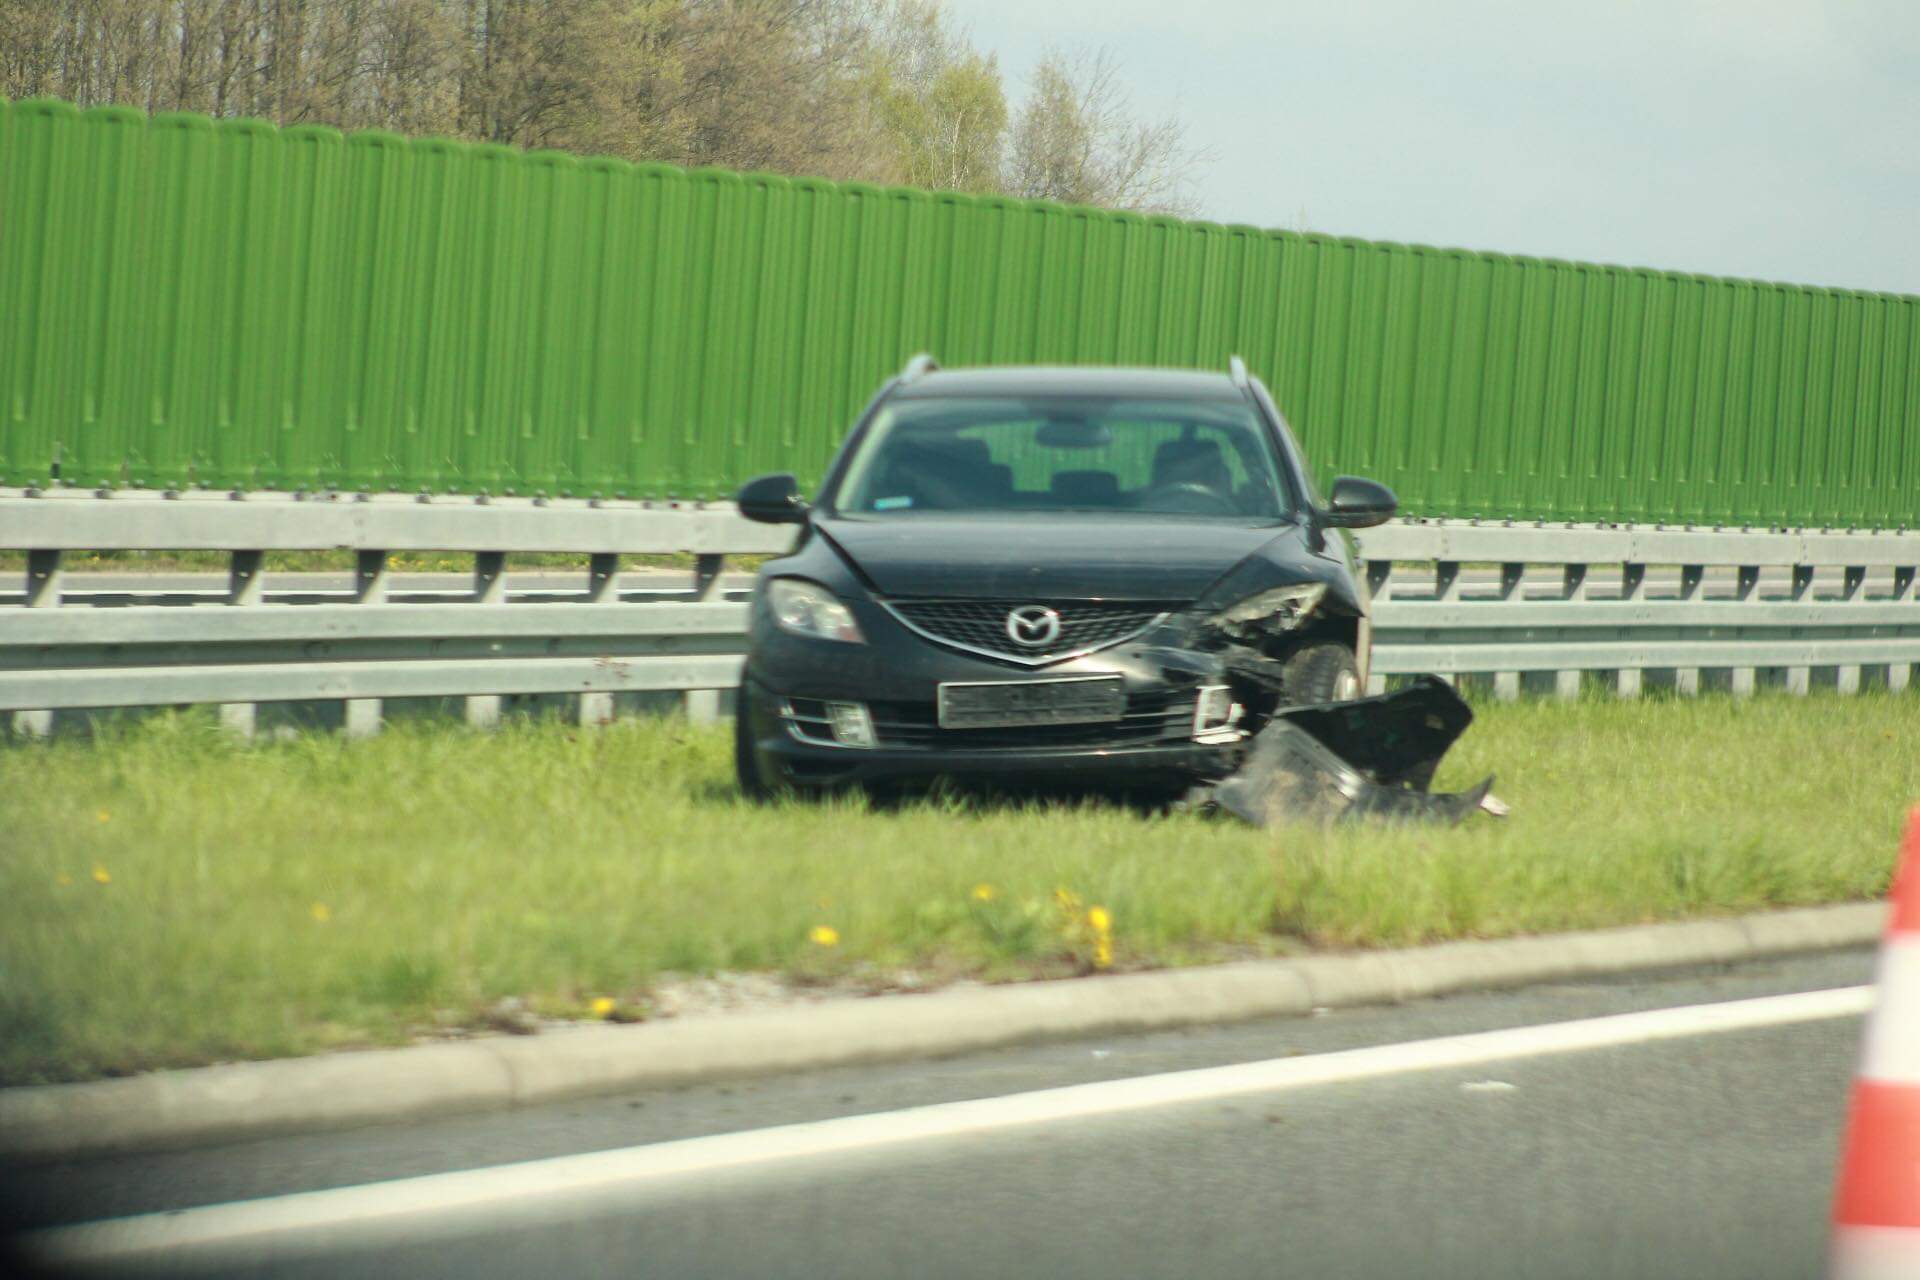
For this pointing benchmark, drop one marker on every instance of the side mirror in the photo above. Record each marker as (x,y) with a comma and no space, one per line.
(773,499)
(1359,504)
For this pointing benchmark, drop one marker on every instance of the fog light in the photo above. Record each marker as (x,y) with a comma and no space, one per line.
(852,726)
(1216,715)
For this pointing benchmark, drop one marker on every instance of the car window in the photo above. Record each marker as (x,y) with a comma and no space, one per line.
(1148,457)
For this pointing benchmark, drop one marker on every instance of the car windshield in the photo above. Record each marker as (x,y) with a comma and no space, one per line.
(1065,453)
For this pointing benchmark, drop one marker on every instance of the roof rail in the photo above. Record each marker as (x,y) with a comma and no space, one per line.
(920,364)
(1237,370)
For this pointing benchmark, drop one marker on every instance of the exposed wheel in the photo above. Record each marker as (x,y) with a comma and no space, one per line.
(746,765)
(1322,672)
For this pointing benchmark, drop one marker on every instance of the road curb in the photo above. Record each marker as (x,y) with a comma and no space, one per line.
(204,1106)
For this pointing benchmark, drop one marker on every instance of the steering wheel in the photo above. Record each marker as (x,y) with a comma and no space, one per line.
(1208,498)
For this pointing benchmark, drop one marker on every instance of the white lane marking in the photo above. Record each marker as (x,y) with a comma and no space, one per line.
(515,1188)
(1874,1253)
(1892,1052)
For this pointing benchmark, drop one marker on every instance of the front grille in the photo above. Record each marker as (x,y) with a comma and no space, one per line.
(981,625)
(1158,716)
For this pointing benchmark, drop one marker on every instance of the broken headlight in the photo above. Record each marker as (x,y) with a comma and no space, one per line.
(1281,609)
(809,609)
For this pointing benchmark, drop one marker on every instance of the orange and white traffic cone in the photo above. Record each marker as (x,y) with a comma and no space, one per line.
(1876,1210)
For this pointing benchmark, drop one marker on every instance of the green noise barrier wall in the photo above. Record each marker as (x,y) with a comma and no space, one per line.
(192,302)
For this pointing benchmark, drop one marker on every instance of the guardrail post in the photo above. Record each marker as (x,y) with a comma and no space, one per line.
(603,579)
(702,706)
(489,587)
(369,587)
(245,589)
(1379,579)
(1573,586)
(1900,673)
(603,587)
(1686,680)
(1800,679)
(43,579)
(1446,580)
(1627,682)
(1633,581)
(1746,584)
(1506,684)
(1846,677)
(43,592)
(1511,575)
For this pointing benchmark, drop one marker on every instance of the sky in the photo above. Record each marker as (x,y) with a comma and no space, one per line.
(1771,139)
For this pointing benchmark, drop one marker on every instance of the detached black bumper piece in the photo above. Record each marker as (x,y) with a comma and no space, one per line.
(1369,758)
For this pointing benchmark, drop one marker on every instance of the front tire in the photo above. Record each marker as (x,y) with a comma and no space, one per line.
(746,761)
(1325,671)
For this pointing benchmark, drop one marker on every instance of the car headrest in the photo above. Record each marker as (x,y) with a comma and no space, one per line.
(1192,462)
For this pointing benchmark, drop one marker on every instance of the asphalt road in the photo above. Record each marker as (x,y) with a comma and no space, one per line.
(1703,1155)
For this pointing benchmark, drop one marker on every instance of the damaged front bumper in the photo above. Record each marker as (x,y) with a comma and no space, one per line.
(1209,702)
(1368,758)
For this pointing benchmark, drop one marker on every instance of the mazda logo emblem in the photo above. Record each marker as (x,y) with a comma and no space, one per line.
(1033,626)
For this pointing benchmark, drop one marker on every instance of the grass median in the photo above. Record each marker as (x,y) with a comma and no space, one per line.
(169,897)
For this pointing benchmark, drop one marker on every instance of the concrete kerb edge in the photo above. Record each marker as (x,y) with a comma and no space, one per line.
(210,1105)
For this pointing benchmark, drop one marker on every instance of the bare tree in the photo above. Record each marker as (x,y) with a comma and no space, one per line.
(877,90)
(1076,139)
(938,99)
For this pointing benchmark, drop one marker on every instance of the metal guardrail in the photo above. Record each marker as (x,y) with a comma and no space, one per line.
(1516,605)
(1553,603)
(369,643)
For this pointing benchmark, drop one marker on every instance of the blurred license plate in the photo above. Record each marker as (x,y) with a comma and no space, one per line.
(1092,700)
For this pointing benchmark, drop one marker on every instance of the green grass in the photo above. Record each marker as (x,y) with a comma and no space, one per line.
(457,868)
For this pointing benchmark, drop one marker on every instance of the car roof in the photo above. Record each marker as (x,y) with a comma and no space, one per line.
(1072,380)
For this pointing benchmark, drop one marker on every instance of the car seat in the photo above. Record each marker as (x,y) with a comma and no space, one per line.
(1192,462)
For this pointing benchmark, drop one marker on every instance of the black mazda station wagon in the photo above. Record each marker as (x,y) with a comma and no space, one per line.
(1089,576)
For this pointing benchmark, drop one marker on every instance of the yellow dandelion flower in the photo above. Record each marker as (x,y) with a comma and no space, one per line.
(1100,919)
(102,816)
(824,935)
(1103,953)
(321,913)
(602,1006)
(100,875)
(984,893)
